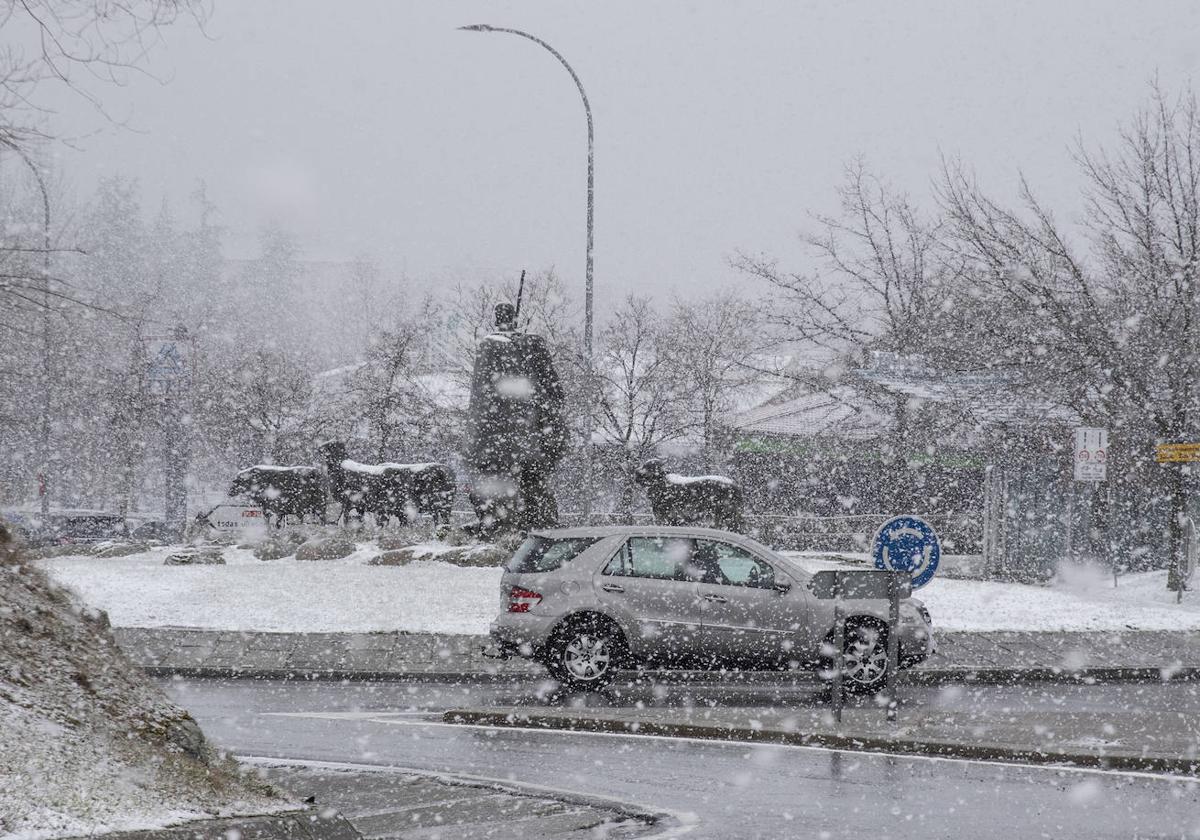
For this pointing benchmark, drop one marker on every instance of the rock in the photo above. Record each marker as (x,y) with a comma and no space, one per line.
(395,557)
(476,555)
(392,542)
(97,617)
(471,555)
(119,549)
(274,550)
(329,548)
(195,557)
(185,734)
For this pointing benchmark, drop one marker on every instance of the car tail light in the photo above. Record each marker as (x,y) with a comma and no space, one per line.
(522,600)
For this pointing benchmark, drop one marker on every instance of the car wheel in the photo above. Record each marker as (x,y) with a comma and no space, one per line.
(864,659)
(585,655)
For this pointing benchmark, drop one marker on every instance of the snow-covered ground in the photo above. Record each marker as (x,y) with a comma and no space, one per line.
(430,596)
(426,596)
(1082,598)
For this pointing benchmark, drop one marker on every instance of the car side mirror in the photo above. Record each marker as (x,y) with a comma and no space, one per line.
(781,586)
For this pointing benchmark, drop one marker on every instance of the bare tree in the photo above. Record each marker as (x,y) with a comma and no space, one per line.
(76,45)
(880,284)
(1117,334)
(715,344)
(883,284)
(640,401)
(260,408)
(392,395)
(547,309)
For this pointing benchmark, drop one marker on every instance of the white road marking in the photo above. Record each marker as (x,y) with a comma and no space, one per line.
(350,715)
(686,821)
(384,718)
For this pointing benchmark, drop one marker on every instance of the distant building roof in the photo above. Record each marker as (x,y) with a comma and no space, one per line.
(851,410)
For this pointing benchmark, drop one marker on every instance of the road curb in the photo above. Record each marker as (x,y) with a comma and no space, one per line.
(831,740)
(309,824)
(200,672)
(949,676)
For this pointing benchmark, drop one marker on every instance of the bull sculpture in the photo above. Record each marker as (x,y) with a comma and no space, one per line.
(689,500)
(388,490)
(282,491)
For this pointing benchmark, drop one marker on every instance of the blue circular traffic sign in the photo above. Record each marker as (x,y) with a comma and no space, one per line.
(907,544)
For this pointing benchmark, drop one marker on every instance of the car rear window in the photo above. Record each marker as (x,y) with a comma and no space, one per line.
(543,554)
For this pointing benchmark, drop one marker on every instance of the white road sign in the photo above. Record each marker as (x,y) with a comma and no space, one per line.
(1091,454)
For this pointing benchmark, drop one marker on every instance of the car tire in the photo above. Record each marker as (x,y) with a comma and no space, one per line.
(584,655)
(865,658)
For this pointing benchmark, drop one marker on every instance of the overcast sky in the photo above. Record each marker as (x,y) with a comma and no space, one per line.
(376,128)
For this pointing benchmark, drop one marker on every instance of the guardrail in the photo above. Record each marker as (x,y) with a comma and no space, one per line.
(845,532)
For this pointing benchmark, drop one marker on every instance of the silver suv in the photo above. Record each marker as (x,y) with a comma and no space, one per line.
(587,601)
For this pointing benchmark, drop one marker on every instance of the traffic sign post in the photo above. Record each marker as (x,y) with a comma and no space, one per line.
(1089,458)
(1187,566)
(839,585)
(166,372)
(906,544)
(1091,454)
(1177,453)
(1182,540)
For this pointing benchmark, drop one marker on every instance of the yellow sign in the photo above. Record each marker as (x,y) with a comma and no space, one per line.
(1174,453)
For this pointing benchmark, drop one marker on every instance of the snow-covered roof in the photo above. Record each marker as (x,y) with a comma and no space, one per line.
(988,396)
(838,412)
(338,373)
(849,410)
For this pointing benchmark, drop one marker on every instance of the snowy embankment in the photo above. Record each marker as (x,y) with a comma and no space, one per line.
(87,744)
(430,596)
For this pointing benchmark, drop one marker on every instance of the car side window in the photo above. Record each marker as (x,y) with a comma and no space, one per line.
(619,564)
(732,565)
(651,557)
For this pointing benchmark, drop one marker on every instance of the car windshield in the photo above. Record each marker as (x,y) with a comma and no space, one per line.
(544,554)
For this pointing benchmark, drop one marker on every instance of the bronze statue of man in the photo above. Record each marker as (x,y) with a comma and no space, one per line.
(516,429)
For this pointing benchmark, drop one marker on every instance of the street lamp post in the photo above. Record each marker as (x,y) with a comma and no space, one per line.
(47,371)
(587,300)
(587,108)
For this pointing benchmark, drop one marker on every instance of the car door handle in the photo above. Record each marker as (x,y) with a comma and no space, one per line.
(613,587)
(716,599)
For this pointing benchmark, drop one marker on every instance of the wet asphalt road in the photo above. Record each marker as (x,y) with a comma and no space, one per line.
(719,790)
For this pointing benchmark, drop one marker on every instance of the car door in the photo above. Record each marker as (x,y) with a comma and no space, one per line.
(748,615)
(645,583)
